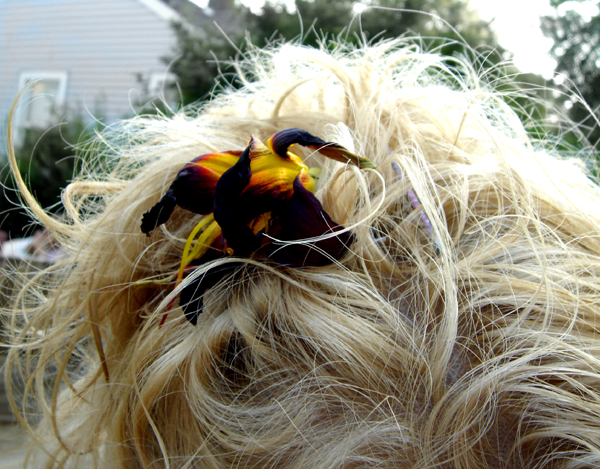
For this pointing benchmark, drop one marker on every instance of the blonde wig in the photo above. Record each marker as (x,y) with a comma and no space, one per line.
(459,330)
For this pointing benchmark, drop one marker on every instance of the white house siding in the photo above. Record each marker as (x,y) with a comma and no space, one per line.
(100,44)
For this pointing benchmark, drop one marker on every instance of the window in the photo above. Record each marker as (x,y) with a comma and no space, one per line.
(43,97)
(160,85)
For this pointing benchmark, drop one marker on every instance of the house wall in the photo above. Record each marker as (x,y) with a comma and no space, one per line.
(100,44)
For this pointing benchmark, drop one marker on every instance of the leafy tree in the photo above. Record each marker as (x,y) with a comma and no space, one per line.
(577,51)
(461,33)
(194,59)
(384,19)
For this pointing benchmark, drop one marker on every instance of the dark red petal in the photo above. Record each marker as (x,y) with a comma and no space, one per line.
(158,214)
(192,295)
(195,185)
(193,188)
(231,211)
(280,142)
(303,217)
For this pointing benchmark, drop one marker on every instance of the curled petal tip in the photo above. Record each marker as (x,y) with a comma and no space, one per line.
(283,139)
(158,214)
(341,154)
(366,164)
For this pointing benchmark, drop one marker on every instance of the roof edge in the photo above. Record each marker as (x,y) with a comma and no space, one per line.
(161,9)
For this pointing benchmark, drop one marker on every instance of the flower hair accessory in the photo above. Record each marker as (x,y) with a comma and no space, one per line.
(245,196)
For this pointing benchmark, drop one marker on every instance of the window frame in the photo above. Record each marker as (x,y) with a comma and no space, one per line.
(27,97)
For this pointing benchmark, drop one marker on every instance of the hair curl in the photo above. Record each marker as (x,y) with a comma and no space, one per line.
(475,345)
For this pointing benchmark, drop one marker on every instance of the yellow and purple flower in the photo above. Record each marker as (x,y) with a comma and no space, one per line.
(263,190)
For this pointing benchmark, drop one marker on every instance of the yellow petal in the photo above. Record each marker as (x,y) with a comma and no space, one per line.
(205,240)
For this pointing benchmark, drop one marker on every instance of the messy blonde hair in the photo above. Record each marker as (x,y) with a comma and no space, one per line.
(470,344)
